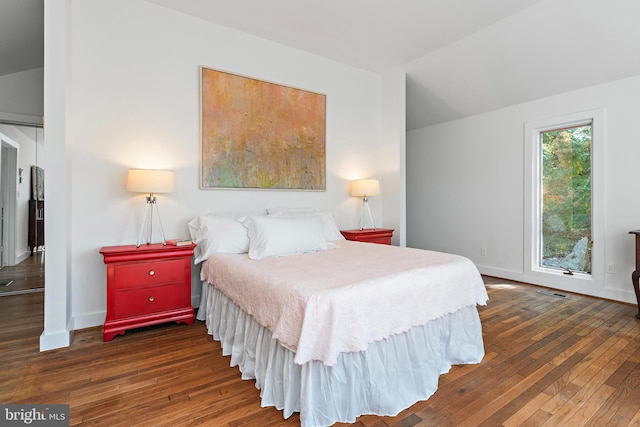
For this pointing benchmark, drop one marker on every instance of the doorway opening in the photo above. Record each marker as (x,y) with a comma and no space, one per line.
(21,270)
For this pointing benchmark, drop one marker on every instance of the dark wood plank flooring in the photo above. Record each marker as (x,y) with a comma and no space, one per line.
(549,361)
(28,276)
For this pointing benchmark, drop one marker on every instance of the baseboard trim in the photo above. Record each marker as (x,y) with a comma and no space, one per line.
(89,320)
(624,296)
(23,256)
(53,340)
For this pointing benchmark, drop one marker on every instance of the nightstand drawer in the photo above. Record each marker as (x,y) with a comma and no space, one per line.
(379,240)
(153,273)
(149,300)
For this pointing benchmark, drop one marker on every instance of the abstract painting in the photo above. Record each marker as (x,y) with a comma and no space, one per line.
(37,183)
(260,135)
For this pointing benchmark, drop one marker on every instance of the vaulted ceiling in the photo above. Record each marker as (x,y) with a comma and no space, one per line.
(462,57)
(21,35)
(369,34)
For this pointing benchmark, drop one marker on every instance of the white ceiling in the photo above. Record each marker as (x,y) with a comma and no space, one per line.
(369,34)
(21,35)
(462,57)
(554,47)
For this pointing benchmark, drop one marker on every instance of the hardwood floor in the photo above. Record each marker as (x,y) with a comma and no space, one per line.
(549,361)
(28,276)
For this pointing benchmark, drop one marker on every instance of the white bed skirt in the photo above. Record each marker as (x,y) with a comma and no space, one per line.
(389,376)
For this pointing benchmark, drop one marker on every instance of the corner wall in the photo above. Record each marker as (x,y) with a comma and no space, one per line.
(58,323)
(392,162)
(465,184)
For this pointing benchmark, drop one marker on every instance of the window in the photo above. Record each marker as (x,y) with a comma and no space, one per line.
(563,198)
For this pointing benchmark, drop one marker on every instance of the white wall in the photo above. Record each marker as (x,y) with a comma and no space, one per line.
(58,322)
(465,184)
(21,96)
(133,101)
(393,185)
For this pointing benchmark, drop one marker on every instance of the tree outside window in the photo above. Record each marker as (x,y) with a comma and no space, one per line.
(566,199)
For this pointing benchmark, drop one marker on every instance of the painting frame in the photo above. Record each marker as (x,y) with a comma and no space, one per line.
(260,135)
(37,183)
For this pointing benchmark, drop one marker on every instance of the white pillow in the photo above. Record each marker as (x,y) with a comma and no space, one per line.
(271,236)
(330,228)
(217,234)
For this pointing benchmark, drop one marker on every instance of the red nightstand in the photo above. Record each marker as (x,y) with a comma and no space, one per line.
(147,285)
(370,235)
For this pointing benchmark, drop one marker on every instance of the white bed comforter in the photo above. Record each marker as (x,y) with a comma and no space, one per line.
(325,303)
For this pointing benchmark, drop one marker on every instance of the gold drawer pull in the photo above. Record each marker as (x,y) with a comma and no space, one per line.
(151,272)
(151,298)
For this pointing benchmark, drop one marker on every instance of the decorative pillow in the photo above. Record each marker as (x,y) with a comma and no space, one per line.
(217,234)
(330,228)
(271,236)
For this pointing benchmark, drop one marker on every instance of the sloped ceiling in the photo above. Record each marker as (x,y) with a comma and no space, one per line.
(21,35)
(553,47)
(462,57)
(369,34)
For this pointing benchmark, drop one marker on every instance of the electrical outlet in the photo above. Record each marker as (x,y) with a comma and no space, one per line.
(611,268)
(483,251)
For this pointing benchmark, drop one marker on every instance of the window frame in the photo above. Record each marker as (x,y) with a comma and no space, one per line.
(533,202)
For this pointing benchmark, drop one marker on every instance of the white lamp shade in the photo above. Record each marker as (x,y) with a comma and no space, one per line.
(151,181)
(365,188)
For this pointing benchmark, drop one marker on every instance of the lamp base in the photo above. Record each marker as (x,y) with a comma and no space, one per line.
(147,219)
(365,207)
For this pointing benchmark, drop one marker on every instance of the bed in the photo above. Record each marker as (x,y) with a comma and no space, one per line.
(330,328)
